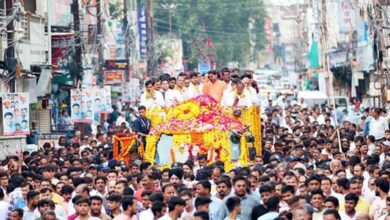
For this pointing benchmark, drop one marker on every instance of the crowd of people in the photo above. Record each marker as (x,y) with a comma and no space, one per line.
(310,166)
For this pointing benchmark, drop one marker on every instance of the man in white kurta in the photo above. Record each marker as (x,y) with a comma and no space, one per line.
(195,88)
(251,91)
(151,98)
(180,89)
(168,94)
(238,97)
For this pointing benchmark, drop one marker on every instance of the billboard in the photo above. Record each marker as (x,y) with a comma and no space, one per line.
(89,102)
(16,112)
(62,51)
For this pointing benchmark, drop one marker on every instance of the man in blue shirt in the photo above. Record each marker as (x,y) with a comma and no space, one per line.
(142,124)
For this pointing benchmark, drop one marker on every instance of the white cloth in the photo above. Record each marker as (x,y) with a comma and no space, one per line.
(193,92)
(157,101)
(165,217)
(253,95)
(181,94)
(229,97)
(378,127)
(120,120)
(146,215)
(3,209)
(171,98)
(346,217)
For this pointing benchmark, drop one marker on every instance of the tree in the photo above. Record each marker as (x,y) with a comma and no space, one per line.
(224,23)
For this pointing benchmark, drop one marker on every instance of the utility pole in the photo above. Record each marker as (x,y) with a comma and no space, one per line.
(151,63)
(76,26)
(170,8)
(127,40)
(100,42)
(10,61)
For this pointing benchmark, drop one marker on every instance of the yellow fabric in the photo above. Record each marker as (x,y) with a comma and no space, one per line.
(57,199)
(362,207)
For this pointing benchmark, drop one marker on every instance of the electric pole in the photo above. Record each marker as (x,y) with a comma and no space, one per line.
(170,8)
(100,42)
(151,63)
(10,60)
(78,65)
(127,40)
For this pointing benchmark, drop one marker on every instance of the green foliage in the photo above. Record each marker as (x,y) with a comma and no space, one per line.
(224,22)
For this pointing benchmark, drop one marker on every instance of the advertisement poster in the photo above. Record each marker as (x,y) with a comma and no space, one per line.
(114,71)
(62,51)
(16,113)
(89,102)
(131,91)
(113,76)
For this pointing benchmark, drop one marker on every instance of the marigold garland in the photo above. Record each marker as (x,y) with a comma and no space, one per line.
(203,123)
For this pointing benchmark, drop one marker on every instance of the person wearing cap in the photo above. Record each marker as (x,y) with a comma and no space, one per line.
(213,86)
(176,176)
(175,208)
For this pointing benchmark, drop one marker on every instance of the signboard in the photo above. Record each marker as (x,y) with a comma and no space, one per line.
(337,58)
(142,32)
(89,102)
(203,66)
(113,76)
(347,17)
(114,71)
(116,64)
(15,113)
(50,138)
(62,51)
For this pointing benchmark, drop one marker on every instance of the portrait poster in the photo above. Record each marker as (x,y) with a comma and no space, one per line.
(16,114)
(89,102)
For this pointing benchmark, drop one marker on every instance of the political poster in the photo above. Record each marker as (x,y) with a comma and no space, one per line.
(131,90)
(89,102)
(15,113)
(62,51)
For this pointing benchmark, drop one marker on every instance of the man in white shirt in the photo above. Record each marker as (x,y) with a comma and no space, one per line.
(180,89)
(378,124)
(170,97)
(238,97)
(151,98)
(195,88)
(250,90)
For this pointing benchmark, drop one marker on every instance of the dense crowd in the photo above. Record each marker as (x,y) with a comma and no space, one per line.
(315,164)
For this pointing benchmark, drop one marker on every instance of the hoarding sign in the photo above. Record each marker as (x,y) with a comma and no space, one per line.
(16,118)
